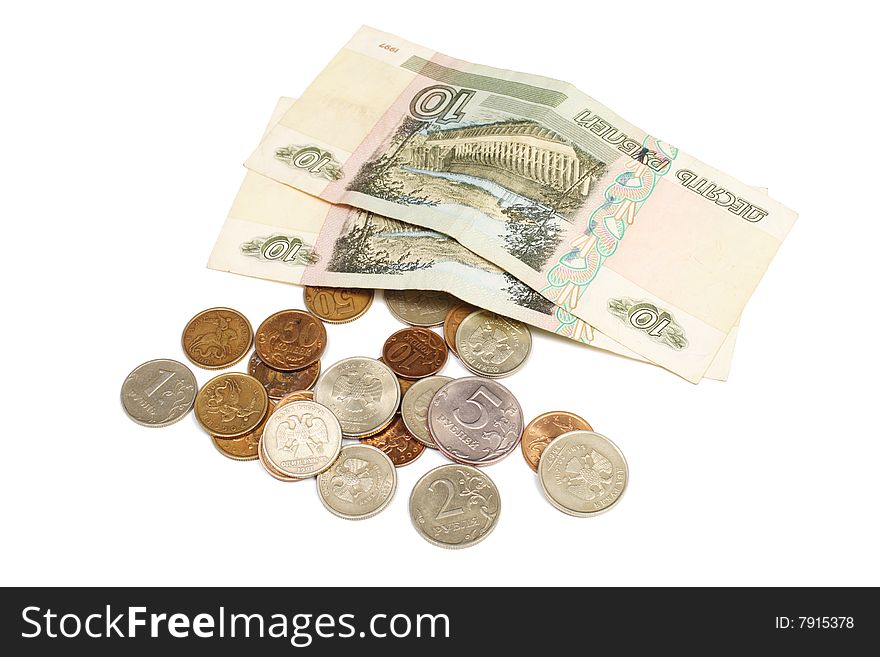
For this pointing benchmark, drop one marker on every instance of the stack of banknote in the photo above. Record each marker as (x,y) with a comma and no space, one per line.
(403,168)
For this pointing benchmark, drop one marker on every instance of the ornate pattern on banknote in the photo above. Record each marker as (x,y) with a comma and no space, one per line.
(657,324)
(576,269)
(313,159)
(287,249)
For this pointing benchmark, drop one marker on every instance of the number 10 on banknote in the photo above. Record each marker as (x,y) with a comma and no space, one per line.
(620,230)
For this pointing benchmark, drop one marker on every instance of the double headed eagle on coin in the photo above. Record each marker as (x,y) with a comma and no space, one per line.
(304,436)
(359,389)
(588,476)
(490,344)
(353,479)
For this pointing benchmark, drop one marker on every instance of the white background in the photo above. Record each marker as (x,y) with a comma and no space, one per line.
(123,133)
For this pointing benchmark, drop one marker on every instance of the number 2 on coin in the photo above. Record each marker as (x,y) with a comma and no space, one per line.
(483,416)
(445,511)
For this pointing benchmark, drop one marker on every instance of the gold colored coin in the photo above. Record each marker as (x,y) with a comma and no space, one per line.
(296,395)
(453,320)
(231,405)
(246,447)
(544,428)
(337,305)
(217,338)
(290,340)
(279,383)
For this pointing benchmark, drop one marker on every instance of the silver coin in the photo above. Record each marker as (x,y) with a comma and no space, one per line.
(414,408)
(159,392)
(475,421)
(302,439)
(492,345)
(359,484)
(454,506)
(583,473)
(419,307)
(271,469)
(362,393)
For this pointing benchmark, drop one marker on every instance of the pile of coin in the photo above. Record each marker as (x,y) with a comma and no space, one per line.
(295,419)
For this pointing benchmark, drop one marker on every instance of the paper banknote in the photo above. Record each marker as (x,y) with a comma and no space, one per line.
(655,249)
(276,232)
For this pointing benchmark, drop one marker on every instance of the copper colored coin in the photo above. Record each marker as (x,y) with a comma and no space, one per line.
(415,353)
(217,338)
(544,428)
(397,443)
(290,340)
(246,447)
(337,305)
(405,384)
(453,320)
(278,383)
(231,405)
(296,395)
(271,469)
